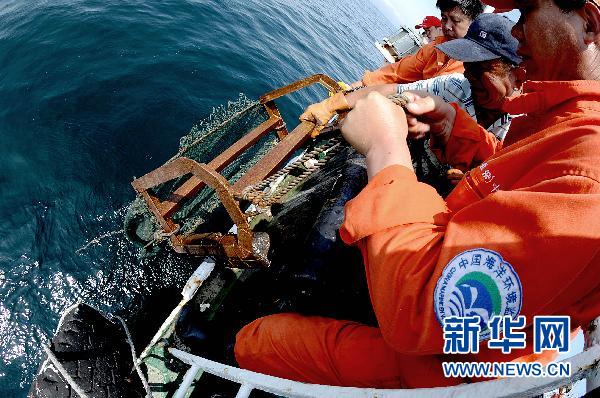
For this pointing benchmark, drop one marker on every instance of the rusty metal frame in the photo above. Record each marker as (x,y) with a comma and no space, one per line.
(240,248)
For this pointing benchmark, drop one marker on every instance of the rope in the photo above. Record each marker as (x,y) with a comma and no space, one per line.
(75,387)
(263,196)
(97,240)
(134,357)
(353,89)
(399,99)
(63,372)
(160,235)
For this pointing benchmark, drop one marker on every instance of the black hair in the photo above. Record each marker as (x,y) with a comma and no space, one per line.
(570,5)
(471,8)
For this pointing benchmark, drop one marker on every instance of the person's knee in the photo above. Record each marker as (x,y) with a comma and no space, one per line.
(244,346)
(258,340)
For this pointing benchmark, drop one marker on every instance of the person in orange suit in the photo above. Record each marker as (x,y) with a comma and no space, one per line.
(525,221)
(429,62)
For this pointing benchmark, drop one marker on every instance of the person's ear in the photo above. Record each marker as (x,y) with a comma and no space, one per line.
(591,15)
(520,75)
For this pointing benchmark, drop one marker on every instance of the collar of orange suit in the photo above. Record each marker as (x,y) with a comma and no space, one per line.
(541,96)
(511,4)
(501,4)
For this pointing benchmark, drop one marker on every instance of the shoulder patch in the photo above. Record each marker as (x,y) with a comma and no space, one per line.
(479,283)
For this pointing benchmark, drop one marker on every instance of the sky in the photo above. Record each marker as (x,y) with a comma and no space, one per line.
(411,12)
(406,12)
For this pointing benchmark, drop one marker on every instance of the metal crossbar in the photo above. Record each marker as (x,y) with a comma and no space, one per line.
(585,365)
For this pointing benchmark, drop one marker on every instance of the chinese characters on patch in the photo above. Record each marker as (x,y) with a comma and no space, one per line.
(463,334)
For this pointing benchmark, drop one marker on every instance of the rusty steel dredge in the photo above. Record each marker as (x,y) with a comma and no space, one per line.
(245,248)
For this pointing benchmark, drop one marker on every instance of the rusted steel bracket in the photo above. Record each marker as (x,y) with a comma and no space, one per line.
(194,185)
(245,248)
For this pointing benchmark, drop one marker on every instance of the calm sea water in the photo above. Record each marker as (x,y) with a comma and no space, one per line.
(93,93)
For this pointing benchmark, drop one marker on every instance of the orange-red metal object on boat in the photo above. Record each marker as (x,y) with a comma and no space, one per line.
(246,248)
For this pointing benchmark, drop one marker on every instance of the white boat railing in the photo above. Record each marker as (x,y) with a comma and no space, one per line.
(585,365)
(400,44)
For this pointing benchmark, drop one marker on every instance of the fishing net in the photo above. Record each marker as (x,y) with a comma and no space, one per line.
(206,140)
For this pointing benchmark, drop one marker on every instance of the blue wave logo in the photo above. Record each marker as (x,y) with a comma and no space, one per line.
(476,294)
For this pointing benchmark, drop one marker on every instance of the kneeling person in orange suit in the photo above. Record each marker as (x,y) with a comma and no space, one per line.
(525,220)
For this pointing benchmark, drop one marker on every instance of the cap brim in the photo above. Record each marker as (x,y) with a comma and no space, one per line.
(466,50)
(501,4)
(418,26)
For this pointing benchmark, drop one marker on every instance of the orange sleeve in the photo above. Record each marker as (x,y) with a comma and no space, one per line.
(409,69)
(469,144)
(409,240)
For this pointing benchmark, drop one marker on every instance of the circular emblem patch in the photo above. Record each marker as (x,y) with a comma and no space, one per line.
(479,283)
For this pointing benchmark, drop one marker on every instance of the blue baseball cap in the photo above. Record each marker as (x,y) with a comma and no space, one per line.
(488,38)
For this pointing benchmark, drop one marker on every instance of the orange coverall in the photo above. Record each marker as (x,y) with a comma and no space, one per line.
(532,208)
(428,62)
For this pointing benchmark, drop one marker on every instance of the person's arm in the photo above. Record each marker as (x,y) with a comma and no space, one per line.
(321,112)
(383,89)
(408,69)
(452,88)
(456,138)
(467,144)
(377,128)
(508,247)
(425,261)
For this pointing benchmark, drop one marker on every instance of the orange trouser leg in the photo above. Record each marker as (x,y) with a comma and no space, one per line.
(328,351)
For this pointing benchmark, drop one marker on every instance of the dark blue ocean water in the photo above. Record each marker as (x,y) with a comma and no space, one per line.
(93,93)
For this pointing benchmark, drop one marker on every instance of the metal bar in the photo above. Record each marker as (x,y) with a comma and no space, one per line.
(244,391)
(274,112)
(189,378)
(582,365)
(189,290)
(153,206)
(164,173)
(320,78)
(182,166)
(276,157)
(167,172)
(228,244)
(223,190)
(246,142)
(194,184)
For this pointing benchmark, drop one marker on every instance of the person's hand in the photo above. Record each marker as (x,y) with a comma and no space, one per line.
(344,86)
(321,112)
(377,128)
(318,113)
(375,120)
(357,84)
(454,176)
(429,114)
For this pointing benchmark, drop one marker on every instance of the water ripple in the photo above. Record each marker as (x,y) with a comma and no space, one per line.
(93,93)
